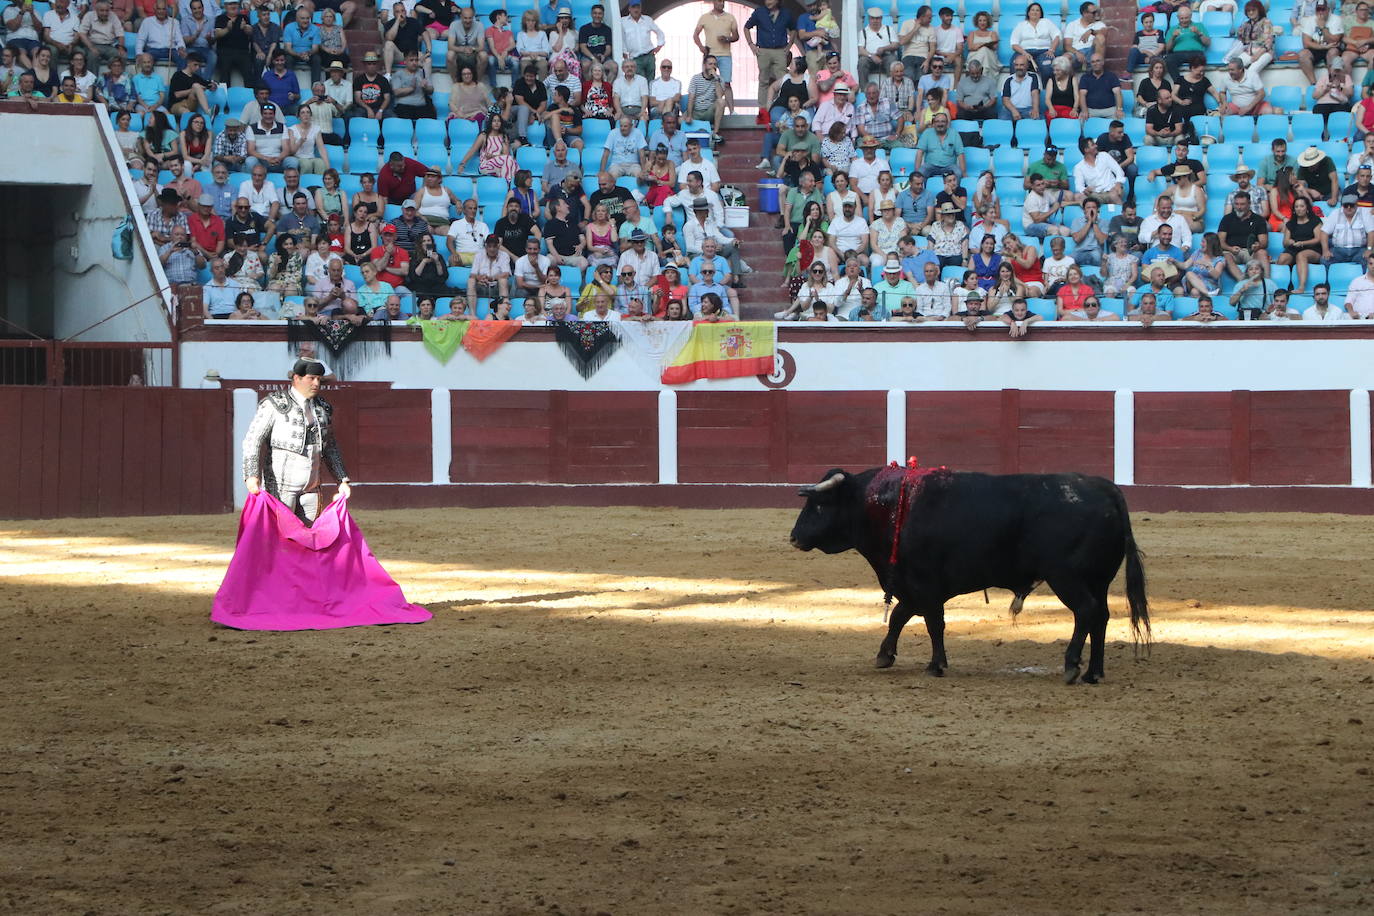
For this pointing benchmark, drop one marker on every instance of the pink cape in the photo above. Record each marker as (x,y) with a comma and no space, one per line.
(286,576)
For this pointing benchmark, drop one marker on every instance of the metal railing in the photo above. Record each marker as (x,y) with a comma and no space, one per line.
(58,363)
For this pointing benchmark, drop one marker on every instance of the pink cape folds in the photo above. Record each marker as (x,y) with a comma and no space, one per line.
(286,576)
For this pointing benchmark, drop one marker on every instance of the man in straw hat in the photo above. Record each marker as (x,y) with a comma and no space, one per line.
(295,424)
(1243,176)
(1316,177)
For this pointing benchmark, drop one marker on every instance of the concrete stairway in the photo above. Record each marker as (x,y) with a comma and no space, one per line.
(761,242)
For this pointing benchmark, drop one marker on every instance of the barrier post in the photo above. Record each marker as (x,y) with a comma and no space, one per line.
(245,405)
(667,436)
(896,426)
(1123,439)
(441,433)
(1359,439)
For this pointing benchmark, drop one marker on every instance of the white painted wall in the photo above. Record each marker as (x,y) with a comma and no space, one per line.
(1258,362)
(61,161)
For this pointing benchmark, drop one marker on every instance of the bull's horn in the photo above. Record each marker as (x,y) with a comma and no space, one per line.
(830,483)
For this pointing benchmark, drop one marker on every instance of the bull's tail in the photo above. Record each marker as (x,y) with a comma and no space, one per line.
(1135,582)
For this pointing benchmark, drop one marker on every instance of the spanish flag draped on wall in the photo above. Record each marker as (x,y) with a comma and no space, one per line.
(724,349)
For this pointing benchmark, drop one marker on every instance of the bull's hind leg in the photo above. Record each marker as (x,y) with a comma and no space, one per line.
(1097,640)
(935,626)
(934,615)
(1079,598)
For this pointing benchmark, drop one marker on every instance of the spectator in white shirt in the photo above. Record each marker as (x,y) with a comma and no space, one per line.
(849,231)
(1097,174)
(467,234)
(1359,297)
(1321,310)
(933,294)
(1086,35)
(1347,233)
(631,93)
(1164,213)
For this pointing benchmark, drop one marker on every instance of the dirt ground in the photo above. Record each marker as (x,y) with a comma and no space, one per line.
(641,711)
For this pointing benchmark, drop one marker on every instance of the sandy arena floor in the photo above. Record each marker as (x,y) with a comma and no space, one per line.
(642,711)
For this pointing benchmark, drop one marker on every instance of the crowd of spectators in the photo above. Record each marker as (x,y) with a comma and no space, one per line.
(907,198)
(898,200)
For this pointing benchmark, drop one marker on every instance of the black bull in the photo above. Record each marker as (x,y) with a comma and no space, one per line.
(963,532)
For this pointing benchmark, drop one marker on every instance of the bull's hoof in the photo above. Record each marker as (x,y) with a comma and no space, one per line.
(1091,678)
(884,660)
(1071,673)
(935,670)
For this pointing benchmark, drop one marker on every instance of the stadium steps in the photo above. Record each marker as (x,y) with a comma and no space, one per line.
(362,35)
(735,160)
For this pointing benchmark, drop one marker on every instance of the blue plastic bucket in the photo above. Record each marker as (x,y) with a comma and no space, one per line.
(769,189)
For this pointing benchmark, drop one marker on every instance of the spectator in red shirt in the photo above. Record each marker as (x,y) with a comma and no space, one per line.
(207,229)
(396,181)
(391,260)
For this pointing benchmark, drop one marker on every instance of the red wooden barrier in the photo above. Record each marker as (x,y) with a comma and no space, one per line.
(554,437)
(1183,438)
(778,436)
(1270,438)
(1006,432)
(114,451)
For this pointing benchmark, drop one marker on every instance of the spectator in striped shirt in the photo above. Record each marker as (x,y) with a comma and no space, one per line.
(705,97)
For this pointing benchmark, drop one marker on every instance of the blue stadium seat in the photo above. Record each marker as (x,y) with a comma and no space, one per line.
(1217,51)
(1307,129)
(435,154)
(1030,134)
(1316,273)
(536,134)
(1283,44)
(1341,275)
(364,132)
(1222,158)
(459,186)
(1271,127)
(312,181)
(461,135)
(354,273)
(491,188)
(1207,126)
(1183,306)
(954,272)
(439,56)
(533,158)
(1218,24)
(1008,161)
(1338,125)
(1045,308)
(1064,132)
(997,133)
(1010,192)
(398,132)
(431,130)
(237,97)
(902,162)
(1238,129)
(594,134)
(1338,150)
(979,160)
(1289,98)
(571,277)
(1280,274)
(1116,306)
(1096,127)
(1149,158)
